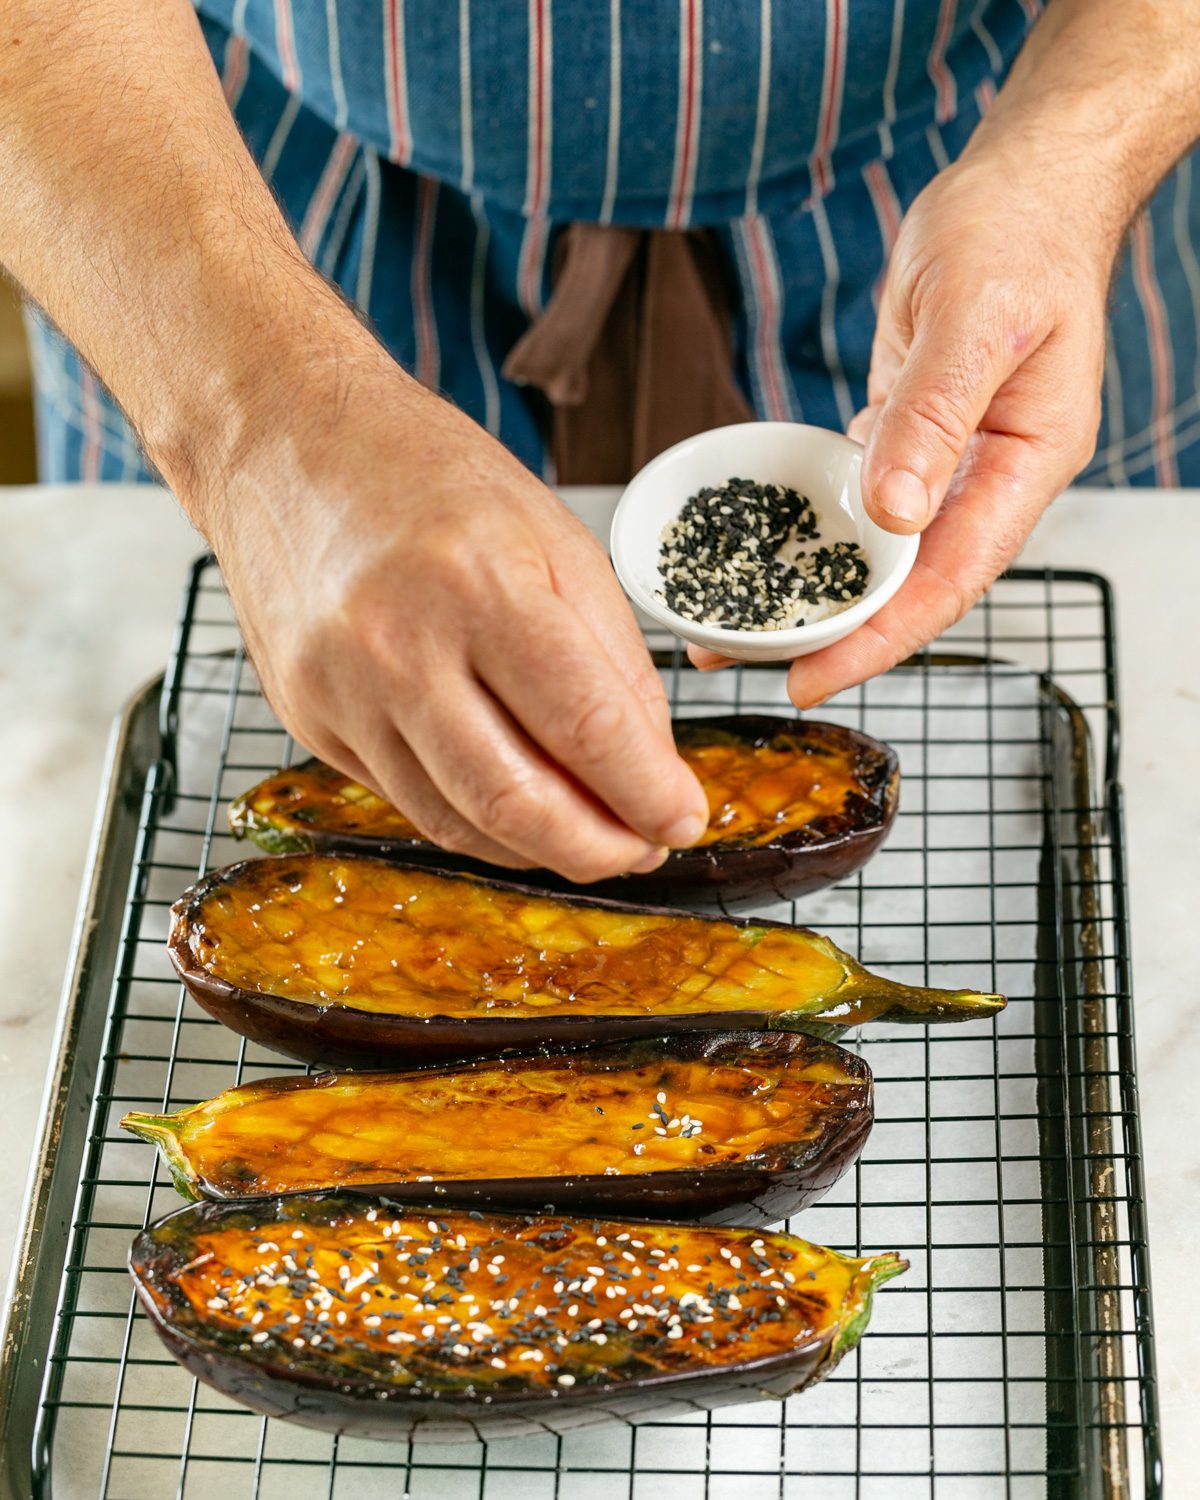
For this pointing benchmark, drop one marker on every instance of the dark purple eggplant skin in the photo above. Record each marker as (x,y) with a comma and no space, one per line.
(727,874)
(365,1409)
(775,1184)
(382,1414)
(338,1036)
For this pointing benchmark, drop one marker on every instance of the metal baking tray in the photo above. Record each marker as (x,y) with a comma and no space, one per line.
(1015,1359)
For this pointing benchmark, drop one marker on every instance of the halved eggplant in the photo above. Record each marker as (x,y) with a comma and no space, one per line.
(345,961)
(749,1126)
(359,1316)
(794,805)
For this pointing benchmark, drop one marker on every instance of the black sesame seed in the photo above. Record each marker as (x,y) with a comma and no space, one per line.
(720,566)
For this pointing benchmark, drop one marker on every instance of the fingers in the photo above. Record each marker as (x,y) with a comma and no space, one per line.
(862,424)
(977,535)
(708,661)
(583,576)
(923,608)
(956,363)
(583,715)
(343,759)
(495,779)
(398,776)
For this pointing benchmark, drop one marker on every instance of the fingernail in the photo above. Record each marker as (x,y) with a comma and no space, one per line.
(902,495)
(650,862)
(683,834)
(804,701)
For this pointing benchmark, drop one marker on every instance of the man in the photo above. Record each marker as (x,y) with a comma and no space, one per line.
(421,609)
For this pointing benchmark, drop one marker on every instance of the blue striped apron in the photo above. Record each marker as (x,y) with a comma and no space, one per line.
(428,153)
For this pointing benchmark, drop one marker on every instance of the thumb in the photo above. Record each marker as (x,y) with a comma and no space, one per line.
(940,396)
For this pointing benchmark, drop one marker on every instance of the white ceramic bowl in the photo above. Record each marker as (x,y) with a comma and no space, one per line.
(822,465)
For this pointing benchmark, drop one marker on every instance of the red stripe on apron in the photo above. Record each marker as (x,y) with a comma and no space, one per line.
(679,209)
(400,149)
(888,213)
(286,43)
(236,69)
(767,333)
(939,73)
(428,366)
(316,218)
(1162,363)
(831,96)
(532,259)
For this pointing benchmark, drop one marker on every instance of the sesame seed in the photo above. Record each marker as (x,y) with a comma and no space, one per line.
(736,556)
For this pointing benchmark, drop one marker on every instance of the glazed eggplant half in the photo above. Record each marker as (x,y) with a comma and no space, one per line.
(794,805)
(723,1126)
(356,1315)
(346,961)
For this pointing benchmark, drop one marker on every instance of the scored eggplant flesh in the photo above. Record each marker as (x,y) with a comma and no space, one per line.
(341,959)
(357,1316)
(314,805)
(793,805)
(710,1124)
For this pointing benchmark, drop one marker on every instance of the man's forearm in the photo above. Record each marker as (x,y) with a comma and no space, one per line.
(1106,94)
(133,213)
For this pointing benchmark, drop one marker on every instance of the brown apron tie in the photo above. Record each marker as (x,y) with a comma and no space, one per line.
(633,350)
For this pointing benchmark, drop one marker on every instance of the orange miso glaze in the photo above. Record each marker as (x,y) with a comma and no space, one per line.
(450,1300)
(757,792)
(533,1117)
(389,938)
(314,795)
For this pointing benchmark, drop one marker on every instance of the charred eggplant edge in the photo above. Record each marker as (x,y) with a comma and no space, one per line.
(222,998)
(829,1346)
(838,1146)
(796,862)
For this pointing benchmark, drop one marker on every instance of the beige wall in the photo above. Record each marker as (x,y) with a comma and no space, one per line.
(16,414)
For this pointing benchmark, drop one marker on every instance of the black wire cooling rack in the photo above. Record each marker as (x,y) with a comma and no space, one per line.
(1015,1359)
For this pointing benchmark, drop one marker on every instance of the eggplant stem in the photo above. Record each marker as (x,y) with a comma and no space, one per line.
(162,1131)
(873,1272)
(244,823)
(869,997)
(154,1128)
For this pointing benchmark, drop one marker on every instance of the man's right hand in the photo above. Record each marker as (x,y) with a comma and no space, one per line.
(426,615)
(422,611)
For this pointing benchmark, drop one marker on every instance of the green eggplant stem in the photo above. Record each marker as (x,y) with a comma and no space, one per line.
(162,1131)
(869,997)
(874,1272)
(155,1128)
(244,822)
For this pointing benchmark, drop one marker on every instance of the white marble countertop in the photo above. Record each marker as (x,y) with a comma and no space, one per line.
(89,580)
